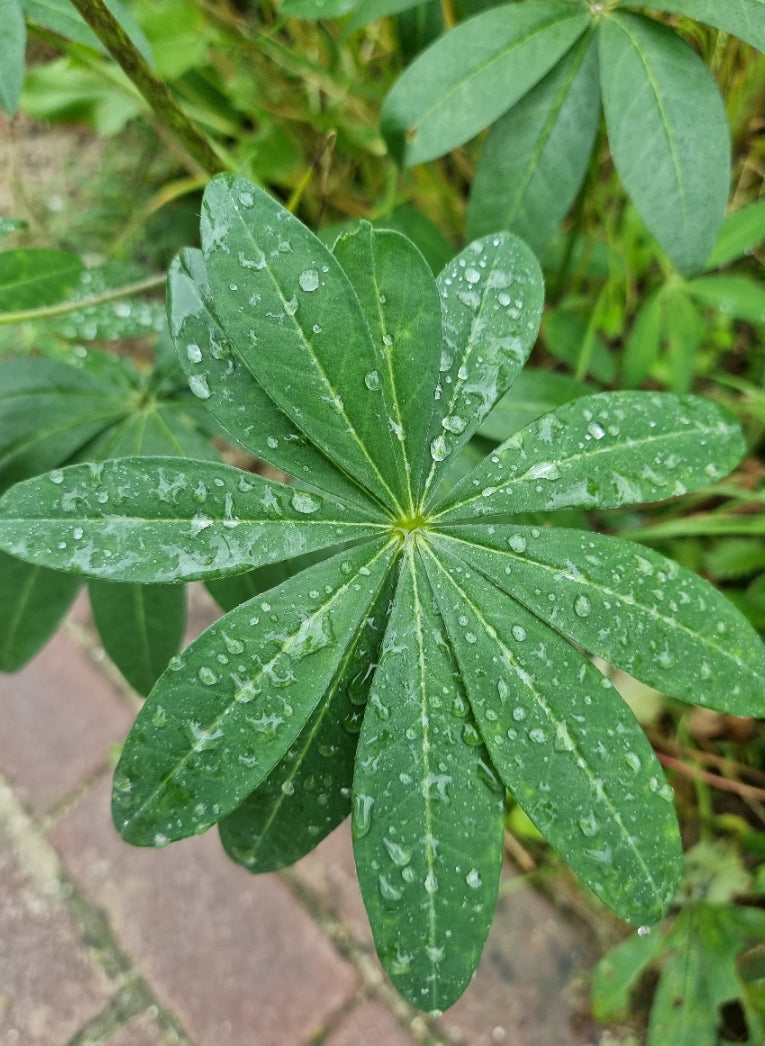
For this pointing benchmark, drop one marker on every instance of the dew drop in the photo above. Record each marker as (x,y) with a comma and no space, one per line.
(362,814)
(305,503)
(198,385)
(473,879)
(194,353)
(388,891)
(56,476)
(582,606)
(309,280)
(431,883)
(438,449)
(519,633)
(397,854)
(207,676)
(537,736)
(517,543)
(372,381)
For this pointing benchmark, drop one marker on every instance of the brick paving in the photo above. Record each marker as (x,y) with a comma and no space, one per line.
(103,944)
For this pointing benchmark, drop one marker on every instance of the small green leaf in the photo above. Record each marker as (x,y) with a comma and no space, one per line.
(741,232)
(536,155)
(668,134)
(619,971)
(536,392)
(30,278)
(13,42)
(742,18)
(166,519)
(428,811)
(547,715)
(473,74)
(603,451)
(738,296)
(399,297)
(141,627)
(229,708)
(34,602)
(644,341)
(629,605)
(308,793)
(491,299)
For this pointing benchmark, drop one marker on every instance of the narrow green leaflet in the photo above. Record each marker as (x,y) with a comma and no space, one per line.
(34,602)
(473,74)
(738,296)
(668,134)
(30,278)
(166,519)
(308,793)
(536,392)
(629,605)
(400,300)
(491,299)
(536,155)
(427,809)
(286,304)
(742,18)
(619,971)
(219,377)
(564,742)
(141,627)
(48,410)
(644,341)
(156,430)
(13,40)
(741,232)
(229,708)
(603,451)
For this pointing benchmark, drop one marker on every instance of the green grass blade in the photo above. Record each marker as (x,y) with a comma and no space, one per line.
(491,299)
(229,708)
(668,134)
(399,298)
(535,156)
(295,319)
(564,743)
(474,73)
(166,519)
(629,605)
(602,451)
(428,812)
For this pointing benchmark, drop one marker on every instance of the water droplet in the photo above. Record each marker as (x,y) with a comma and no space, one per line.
(643,931)
(596,431)
(291,306)
(56,476)
(435,955)
(537,736)
(519,633)
(288,787)
(397,854)
(472,276)
(194,353)
(233,645)
(471,736)
(372,381)
(305,503)
(309,280)
(388,891)
(438,449)
(362,814)
(633,761)
(588,825)
(198,385)
(431,883)
(77,533)
(582,606)
(470,637)
(517,543)
(454,423)
(207,676)
(473,879)
(519,713)
(160,840)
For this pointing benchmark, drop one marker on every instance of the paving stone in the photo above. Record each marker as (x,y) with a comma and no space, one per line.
(60,716)
(49,987)
(236,957)
(141,1030)
(369,1023)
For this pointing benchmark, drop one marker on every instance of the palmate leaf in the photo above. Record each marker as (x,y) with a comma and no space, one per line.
(479,680)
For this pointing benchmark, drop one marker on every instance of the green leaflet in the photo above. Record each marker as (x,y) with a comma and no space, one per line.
(13,41)
(491,301)
(741,231)
(629,605)
(475,73)
(166,519)
(564,743)
(30,278)
(399,298)
(229,708)
(605,450)
(34,602)
(668,134)
(428,810)
(312,343)
(738,296)
(308,793)
(216,367)
(141,627)
(159,429)
(536,155)
(742,18)
(536,392)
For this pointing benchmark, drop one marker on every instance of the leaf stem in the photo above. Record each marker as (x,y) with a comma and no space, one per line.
(63,307)
(155,91)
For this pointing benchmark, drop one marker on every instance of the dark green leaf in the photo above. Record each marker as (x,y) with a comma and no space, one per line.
(629,605)
(167,519)
(428,810)
(475,73)
(232,705)
(536,155)
(742,18)
(603,451)
(13,41)
(141,627)
(155,430)
(34,602)
(31,278)
(536,392)
(547,716)
(668,134)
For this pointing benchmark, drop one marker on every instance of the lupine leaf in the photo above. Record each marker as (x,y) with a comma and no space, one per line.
(34,602)
(13,41)
(308,793)
(166,519)
(141,627)
(536,155)
(267,271)
(536,392)
(230,707)
(428,811)
(473,74)
(741,232)
(668,134)
(547,715)
(629,605)
(604,451)
(733,295)
(742,18)
(30,278)
(491,299)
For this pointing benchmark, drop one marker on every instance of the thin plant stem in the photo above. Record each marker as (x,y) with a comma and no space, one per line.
(62,308)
